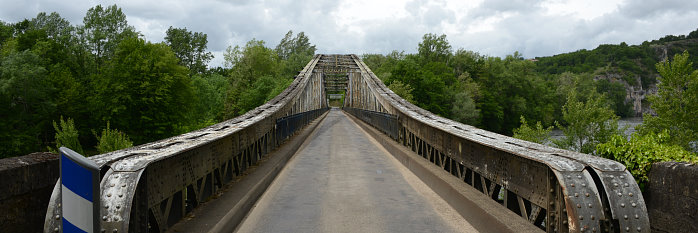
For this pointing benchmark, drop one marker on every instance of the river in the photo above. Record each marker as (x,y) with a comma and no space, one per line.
(630,122)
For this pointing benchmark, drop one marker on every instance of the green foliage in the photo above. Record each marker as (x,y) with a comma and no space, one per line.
(638,153)
(434,48)
(112,140)
(67,136)
(537,134)
(104,29)
(144,90)
(588,123)
(25,103)
(676,102)
(464,110)
(403,90)
(190,48)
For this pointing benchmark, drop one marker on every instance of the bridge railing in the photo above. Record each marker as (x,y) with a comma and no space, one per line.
(556,190)
(149,188)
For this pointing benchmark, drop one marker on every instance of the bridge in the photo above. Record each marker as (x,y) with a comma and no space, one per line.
(378,163)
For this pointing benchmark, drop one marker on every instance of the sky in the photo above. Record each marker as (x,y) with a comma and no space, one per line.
(489,27)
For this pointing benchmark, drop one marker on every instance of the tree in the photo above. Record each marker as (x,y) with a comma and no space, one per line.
(190,48)
(25,103)
(294,52)
(464,109)
(67,136)
(104,29)
(676,102)
(144,91)
(434,48)
(587,123)
(537,134)
(112,140)
(403,90)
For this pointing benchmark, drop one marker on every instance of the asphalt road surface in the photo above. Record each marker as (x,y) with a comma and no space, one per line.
(341,180)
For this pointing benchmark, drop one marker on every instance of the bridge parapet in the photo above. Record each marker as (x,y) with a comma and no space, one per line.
(149,188)
(556,190)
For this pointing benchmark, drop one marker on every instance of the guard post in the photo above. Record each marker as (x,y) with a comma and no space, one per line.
(79,193)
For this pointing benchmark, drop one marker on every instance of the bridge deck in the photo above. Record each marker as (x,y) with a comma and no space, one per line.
(343,181)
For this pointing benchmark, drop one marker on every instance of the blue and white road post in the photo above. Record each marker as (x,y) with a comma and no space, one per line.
(79,193)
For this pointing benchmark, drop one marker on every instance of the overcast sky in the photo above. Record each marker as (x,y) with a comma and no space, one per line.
(495,28)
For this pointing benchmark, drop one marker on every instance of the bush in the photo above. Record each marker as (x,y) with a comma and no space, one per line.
(67,136)
(641,151)
(536,134)
(111,140)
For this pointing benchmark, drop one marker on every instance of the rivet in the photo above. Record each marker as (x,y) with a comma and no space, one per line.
(551,190)
(593,229)
(581,217)
(59,204)
(587,194)
(104,218)
(121,194)
(622,204)
(58,217)
(615,184)
(611,176)
(637,216)
(578,176)
(118,206)
(630,194)
(626,184)
(625,217)
(564,222)
(55,229)
(620,194)
(115,230)
(627,229)
(106,206)
(576,194)
(584,185)
(123,185)
(112,185)
(633,204)
(639,229)
(579,206)
(569,177)
(104,230)
(108,194)
(552,203)
(116,177)
(572,185)
(589,205)
(592,217)
(622,177)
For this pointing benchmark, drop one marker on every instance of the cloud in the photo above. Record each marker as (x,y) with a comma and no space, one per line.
(491,27)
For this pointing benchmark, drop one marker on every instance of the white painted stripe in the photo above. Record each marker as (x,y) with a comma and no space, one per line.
(77,210)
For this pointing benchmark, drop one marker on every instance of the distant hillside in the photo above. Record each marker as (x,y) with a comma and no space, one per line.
(631,65)
(630,61)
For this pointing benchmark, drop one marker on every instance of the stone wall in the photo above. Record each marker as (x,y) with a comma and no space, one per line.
(672,197)
(26,183)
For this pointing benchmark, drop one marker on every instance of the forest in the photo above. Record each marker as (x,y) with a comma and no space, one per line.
(101,86)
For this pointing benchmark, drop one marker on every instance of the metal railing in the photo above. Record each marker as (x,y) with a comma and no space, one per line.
(555,190)
(150,187)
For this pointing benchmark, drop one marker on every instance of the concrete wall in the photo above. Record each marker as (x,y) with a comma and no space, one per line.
(26,183)
(672,197)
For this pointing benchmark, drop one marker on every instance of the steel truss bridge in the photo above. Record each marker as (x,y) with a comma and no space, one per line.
(152,187)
